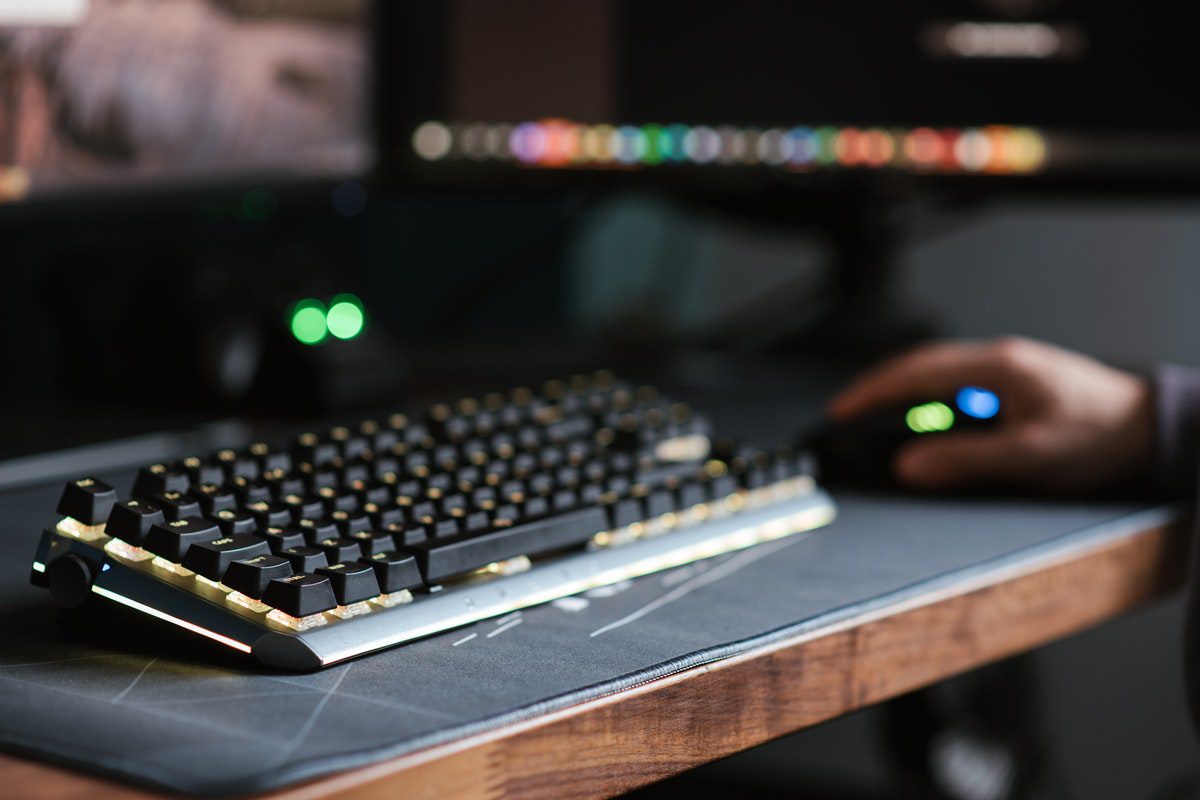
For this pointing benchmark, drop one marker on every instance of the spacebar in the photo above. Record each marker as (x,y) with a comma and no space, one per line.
(442,559)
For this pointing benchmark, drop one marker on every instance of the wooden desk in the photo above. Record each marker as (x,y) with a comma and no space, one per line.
(665,727)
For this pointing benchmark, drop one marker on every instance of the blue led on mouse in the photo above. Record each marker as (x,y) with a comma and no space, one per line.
(977,402)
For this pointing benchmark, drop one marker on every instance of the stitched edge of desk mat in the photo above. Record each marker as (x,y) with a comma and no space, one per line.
(141,773)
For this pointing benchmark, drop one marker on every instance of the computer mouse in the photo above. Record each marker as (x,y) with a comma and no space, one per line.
(860,451)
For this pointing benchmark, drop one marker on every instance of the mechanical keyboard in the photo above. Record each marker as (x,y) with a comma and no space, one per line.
(367,536)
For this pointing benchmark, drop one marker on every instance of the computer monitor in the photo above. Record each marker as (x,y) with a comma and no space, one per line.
(481,92)
(97,95)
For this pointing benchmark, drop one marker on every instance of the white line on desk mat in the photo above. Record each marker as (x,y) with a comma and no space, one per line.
(682,590)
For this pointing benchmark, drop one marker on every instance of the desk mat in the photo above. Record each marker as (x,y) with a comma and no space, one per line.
(131,699)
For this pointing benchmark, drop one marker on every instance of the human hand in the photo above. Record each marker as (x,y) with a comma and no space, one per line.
(1068,421)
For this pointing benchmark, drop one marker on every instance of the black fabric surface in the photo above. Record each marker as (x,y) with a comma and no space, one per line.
(125,696)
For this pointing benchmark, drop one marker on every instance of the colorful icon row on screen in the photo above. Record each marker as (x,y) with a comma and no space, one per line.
(999,149)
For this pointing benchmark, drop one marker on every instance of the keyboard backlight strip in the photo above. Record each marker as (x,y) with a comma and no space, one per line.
(249,603)
(77,530)
(154,612)
(297,623)
(393,599)
(220,587)
(127,551)
(352,610)
(172,567)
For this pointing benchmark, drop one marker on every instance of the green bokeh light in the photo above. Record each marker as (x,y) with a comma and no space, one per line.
(825,152)
(345,319)
(929,418)
(258,204)
(308,321)
(653,154)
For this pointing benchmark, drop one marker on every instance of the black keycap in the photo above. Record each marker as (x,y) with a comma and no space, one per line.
(130,520)
(446,458)
(541,485)
(234,522)
(513,491)
(660,502)
(317,529)
(337,550)
(379,437)
(618,484)
(535,507)
(176,505)
(236,465)
(335,501)
(508,512)
(564,500)
(280,484)
(270,514)
(350,445)
(303,506)
(371,542)
(383,464)
(158,478)
(625,512)
(656,474)
(350,522)
(476,522)
(721,487)
(416,465)
(406,535)
(524,465)
(443,559)
(311,449)
(269,459)
(377,494)
(352,582)
(88,500)
(355,476)
(439,484)
(279,539)
(171,540)
(484,498)
(691,494)
(450,502)
(300,595)
(422,512)
(590,493)
(304,559)
(250,490)
(447,528)
(210,559)
(213,498)
(394,571)
(200,471)
(621,462)
(251,576)
(382,516)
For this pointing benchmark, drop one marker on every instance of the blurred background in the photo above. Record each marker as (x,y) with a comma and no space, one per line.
(219,213)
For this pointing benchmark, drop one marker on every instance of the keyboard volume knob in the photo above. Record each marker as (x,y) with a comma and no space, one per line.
(70,580)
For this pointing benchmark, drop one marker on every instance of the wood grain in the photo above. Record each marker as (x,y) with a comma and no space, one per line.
(645,734)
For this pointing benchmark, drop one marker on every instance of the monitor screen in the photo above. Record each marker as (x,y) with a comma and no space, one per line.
(478,90)
(109,94)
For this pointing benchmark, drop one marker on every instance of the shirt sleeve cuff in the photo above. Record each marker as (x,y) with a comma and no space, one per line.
(1176,429)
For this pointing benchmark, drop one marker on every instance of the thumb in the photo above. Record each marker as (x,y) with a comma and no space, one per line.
(960,459)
